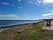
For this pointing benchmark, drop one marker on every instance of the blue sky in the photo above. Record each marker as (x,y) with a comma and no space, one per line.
(26,9)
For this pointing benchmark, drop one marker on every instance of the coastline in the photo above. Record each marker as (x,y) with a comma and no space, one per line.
(22,32)
(18,25)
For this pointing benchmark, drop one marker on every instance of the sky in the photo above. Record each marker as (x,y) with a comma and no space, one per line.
(26,9)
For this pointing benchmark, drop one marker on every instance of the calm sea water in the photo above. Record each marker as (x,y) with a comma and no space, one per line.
(4,23)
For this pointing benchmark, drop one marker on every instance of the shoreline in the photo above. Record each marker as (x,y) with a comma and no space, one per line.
(18,25)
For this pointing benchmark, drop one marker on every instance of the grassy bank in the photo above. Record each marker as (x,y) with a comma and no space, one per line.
(27,32)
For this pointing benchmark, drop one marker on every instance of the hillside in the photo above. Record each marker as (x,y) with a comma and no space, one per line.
(26,32)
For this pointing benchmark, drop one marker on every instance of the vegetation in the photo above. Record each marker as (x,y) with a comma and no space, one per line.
(27,32)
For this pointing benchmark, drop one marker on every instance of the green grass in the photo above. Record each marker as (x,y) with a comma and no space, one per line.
(34,33)
(30,32)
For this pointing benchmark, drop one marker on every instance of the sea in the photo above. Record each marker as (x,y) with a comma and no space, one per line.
(5,23)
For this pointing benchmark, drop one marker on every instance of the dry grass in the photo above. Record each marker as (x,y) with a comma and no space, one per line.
(26,32)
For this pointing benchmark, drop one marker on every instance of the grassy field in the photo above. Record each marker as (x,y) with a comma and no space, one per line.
(27,32)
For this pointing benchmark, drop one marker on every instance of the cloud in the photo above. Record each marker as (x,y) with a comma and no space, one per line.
(8,17)
(20,7)
(5,3)
(28,17)
(39,1)
(45,1)
(19,0)
(50,14)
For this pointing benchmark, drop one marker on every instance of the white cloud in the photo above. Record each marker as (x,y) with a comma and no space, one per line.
(19,0)
(28,17)
(50,14)
(9,17)
(5,3)
(45,1)
(20,7)
(39,1)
